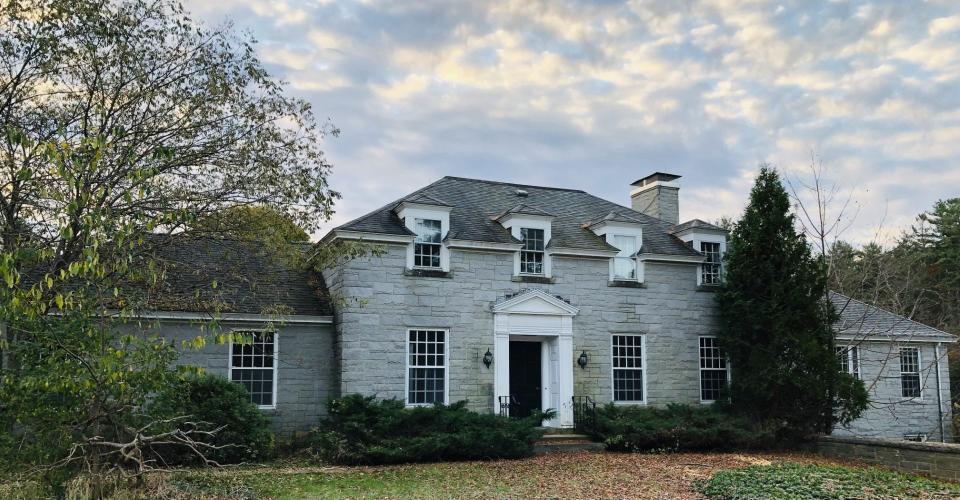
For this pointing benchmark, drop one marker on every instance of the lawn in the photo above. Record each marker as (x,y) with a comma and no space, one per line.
(566,475)
(561,475)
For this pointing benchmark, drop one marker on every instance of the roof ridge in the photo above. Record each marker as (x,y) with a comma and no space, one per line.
(502,183)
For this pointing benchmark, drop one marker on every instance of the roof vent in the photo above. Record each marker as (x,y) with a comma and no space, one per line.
(521,193)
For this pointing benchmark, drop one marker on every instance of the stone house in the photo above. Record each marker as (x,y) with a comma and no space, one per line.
(518,297)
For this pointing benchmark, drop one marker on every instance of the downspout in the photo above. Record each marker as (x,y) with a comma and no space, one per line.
(936,352)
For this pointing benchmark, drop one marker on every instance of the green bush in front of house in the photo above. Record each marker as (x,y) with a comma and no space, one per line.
(676,427)
(365,430)
(244,435)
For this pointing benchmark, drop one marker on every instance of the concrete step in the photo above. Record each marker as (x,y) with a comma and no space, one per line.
(564,437)
(557,430)
(542,447)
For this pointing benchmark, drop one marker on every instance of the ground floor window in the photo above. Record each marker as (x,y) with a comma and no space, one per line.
(253,364)
(849,357)
(628,368)
(426,367)
(910,372)
(713,369)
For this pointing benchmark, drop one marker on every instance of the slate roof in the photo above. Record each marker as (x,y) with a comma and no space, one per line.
(696,224)
(860,319)
(476,202)
(250,279)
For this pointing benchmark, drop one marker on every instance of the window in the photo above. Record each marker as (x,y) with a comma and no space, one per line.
(910,372)
(849,357)
(426,249)
(710,269)
(713,369)
(253,364)
(426,367)
(531,255)
(628,368)
(624,265)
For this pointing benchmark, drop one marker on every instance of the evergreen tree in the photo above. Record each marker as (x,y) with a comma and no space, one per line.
(777,324)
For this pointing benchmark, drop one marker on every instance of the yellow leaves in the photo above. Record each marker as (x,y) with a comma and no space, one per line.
(59,301)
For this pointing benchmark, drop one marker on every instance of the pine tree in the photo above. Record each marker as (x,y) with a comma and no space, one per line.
(777,324)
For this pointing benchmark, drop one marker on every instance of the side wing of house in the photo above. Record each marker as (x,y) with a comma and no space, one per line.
(904,367)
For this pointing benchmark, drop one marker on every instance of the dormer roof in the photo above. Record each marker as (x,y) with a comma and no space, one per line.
(694,225)
(523,209)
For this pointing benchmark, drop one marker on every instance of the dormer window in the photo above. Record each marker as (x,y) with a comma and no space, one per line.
(427,246)
(710,270)
(624,264)
(531,255)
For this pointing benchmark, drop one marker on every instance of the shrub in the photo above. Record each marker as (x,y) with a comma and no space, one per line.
(676,428)
(210,398)
(364,430)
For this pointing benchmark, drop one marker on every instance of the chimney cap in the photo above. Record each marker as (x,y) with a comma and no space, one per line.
(655,177)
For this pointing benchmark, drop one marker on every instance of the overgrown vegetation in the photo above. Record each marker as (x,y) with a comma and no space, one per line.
(807,481)
(244,433)
(365,430)
(776,323)
(677,427)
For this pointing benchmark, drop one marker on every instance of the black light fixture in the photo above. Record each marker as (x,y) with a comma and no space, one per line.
(582,360)
(488,358)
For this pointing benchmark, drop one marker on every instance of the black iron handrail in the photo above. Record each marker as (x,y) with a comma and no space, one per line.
(505,403)
(584,413)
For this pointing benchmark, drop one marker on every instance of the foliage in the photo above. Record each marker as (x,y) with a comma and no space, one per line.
(246,434)
(676,427)
(252,223)
(776,324)
(364,430)
(122,119)
(806,481)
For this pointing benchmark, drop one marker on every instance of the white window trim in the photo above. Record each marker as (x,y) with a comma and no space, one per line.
(276,362)
(701,369)
(514,223)
(848,348)
(438,244)
(643,369)
(409,213)
(408,366)
(607,231)
(543,253)
(919,373)
(695,238)
(699,248)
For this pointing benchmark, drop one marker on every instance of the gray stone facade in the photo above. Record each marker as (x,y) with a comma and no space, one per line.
(305,373)
(662,202)
(383,302)
(889,414)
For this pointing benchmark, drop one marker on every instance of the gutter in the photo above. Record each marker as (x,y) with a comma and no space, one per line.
(234,317)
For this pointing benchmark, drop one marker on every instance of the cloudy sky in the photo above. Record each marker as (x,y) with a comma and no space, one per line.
(593,95)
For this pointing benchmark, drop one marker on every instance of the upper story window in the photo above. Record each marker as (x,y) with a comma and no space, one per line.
(426,249)
(849,357)
(910,372)
(710,270)
(624,264)
(531,255)
(253,364)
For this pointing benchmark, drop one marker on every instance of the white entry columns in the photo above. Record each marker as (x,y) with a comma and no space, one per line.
(537,315)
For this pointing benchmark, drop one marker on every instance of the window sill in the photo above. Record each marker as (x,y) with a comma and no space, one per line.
(428,273)
(526,278)
(626,284)
(630,403)
(268,409)
(708,288)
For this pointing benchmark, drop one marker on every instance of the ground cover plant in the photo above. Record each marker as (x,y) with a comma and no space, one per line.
(793,481)
(676,428)
(365,430)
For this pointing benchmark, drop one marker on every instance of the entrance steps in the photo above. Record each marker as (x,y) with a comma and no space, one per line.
(555,440)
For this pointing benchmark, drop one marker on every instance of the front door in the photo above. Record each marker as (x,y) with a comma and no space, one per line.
(525,373)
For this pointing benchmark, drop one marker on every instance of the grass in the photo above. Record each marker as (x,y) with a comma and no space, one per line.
(562,475)
(793,481)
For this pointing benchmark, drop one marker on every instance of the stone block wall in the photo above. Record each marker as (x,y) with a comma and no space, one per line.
(933,459)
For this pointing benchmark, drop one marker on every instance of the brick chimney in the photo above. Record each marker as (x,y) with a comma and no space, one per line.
(657,195)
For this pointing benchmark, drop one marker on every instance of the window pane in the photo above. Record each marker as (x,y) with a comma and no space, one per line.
(710,270)
(426,372)
(910,372)
(428,230)
(713,369)
(252,365)
(532,239)
(627,358)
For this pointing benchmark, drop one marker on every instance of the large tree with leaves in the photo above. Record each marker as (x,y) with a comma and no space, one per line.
(121,119)
(777,324)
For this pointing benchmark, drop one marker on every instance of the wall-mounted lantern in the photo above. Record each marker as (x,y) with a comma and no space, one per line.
(488,358)
(582,360)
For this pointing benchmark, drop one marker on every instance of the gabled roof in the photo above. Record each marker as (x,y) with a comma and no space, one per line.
(423,199)
(249,279)
(696,224)
(614,217)
(476,202)
(860,320)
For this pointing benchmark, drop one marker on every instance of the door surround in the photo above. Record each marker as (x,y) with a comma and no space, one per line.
(534,314)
